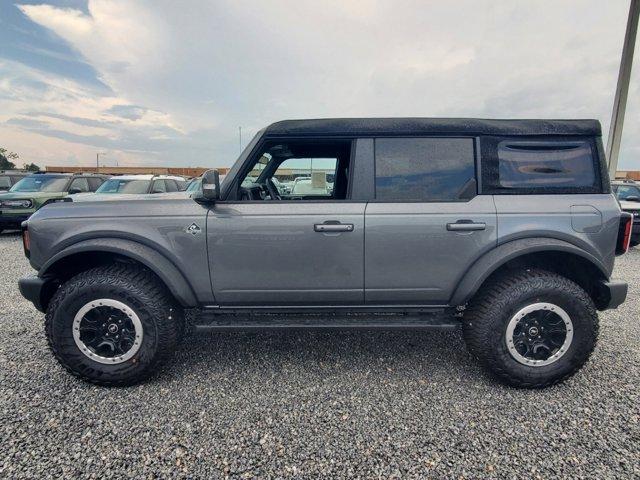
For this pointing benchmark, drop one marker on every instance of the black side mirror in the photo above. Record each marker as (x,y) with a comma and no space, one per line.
(210,186)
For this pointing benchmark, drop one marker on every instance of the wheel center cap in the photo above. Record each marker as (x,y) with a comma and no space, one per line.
(533,331)
(113,328)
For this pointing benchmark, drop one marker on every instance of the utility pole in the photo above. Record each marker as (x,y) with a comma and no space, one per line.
(622,89)
(98,160)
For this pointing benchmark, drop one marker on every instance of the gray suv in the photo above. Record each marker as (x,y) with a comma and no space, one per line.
(507,228)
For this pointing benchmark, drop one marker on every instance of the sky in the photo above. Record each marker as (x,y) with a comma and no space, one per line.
(167,83)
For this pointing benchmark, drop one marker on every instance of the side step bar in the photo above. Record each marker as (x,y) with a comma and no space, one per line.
(203,320)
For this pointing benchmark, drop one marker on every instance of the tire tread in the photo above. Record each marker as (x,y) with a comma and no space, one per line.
(140,282)
(496,296)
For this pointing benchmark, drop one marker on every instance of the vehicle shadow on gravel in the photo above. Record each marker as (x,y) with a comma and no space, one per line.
(433,354)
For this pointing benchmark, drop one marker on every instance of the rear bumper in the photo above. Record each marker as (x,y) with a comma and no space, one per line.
(31,288)
(12,221)
(613,293)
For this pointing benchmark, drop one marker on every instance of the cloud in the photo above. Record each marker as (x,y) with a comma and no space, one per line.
(182,78)
(130,112)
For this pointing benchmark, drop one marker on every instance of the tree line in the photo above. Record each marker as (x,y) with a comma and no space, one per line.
(8,161)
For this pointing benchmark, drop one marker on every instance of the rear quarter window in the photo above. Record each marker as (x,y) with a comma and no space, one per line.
(539,166)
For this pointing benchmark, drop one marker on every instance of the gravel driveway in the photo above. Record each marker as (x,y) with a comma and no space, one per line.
(380,404)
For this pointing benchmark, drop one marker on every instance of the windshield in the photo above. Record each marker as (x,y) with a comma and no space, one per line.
(116,185)
(40,183)
(626,191)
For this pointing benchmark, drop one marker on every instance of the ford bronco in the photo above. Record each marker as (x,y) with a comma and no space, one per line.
(507,228)
(39,189)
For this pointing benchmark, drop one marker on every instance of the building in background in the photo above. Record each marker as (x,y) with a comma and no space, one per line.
(185,172)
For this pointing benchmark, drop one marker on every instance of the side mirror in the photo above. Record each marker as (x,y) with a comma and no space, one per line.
(210,186)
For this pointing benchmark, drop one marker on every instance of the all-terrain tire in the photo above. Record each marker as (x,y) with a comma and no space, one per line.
(488,314)
(142,292)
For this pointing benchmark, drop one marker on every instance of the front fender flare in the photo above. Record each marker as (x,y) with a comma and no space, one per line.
(494,259)
(152,259)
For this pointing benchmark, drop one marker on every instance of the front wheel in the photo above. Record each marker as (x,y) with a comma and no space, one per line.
(532,328)
(112,325)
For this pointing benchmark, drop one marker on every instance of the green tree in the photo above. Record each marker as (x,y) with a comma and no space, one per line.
(31,167)
(5,159)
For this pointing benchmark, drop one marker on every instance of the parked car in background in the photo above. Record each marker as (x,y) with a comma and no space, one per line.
(195,185)
(303,186)
(628,194)
(39,189)
(124,186)
(282,187)
(183,183)
(8,178)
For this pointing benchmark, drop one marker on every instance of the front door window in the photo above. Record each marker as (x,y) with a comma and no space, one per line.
(298,170)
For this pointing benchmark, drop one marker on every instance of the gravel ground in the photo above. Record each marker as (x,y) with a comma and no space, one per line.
(382,404)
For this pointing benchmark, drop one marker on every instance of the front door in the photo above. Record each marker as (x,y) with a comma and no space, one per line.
(289,253)
(290,237)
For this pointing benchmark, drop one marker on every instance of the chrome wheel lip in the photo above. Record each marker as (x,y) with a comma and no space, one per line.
(534,307)
(124,308)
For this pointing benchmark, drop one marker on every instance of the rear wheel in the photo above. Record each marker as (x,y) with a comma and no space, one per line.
(113,325)
(532,328)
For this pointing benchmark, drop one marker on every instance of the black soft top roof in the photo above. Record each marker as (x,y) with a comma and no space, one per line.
(430,126)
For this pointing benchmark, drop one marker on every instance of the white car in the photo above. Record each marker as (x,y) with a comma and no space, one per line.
(305,186)
(124,187)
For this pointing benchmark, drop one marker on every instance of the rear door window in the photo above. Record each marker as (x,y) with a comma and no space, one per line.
(80,185)
(172,186)
(425,169)
(95,182)
(159,187)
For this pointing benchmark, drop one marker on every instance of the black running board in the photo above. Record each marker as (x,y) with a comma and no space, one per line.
(206,320)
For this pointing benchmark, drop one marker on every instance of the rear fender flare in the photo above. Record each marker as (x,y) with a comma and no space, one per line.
(494,259)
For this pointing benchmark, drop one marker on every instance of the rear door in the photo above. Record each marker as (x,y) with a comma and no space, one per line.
(427,225)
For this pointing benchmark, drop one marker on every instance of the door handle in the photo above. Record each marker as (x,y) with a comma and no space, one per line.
(333,227)
(466,226)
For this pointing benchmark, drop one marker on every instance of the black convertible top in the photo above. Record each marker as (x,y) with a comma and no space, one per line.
(440,126)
